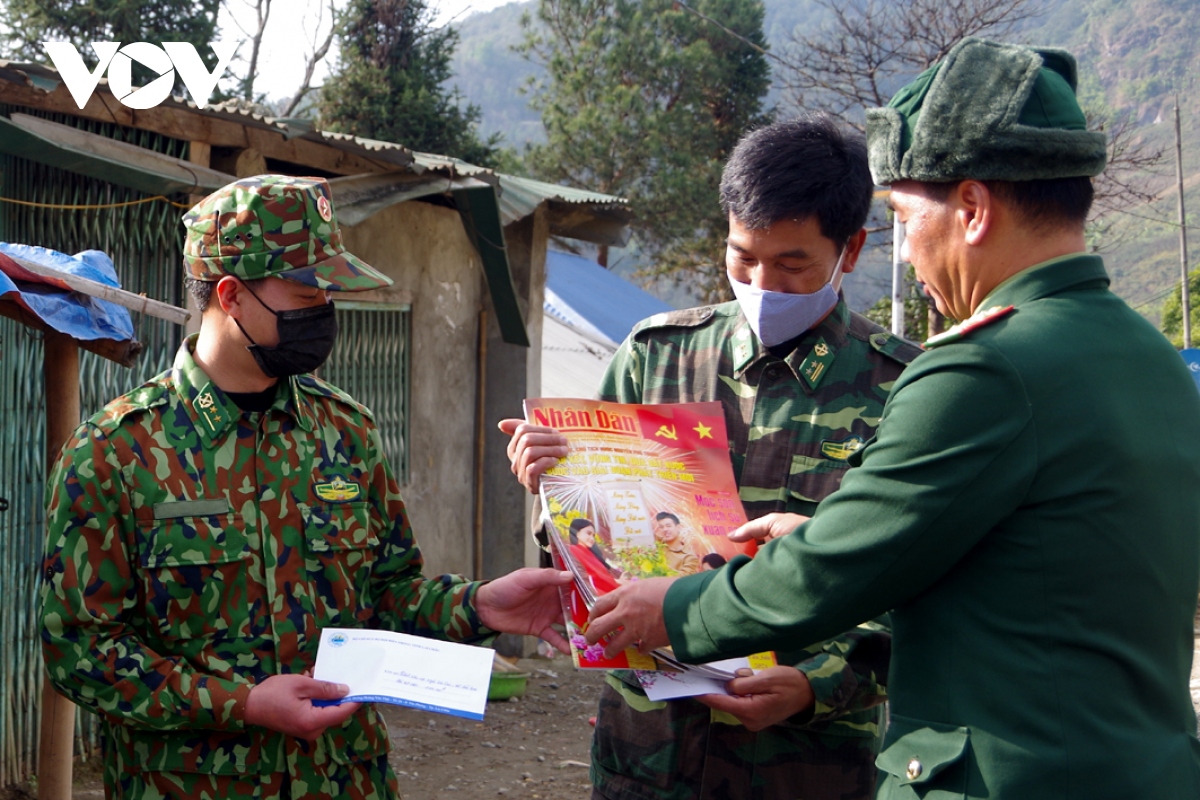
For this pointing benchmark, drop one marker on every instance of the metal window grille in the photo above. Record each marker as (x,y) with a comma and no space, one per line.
(145,243)
(370,362)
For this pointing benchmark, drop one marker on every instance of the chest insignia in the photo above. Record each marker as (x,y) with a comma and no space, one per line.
(814,367)
(338,491)
(840,451)
(971,323)
(743,348)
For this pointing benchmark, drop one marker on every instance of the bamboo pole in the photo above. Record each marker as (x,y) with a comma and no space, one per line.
(136,302)
(57,737)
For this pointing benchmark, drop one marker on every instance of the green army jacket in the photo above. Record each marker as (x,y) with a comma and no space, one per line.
(1030,510)
(792,424)
(195,550)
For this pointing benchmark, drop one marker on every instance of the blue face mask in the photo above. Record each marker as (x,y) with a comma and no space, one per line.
(777,317)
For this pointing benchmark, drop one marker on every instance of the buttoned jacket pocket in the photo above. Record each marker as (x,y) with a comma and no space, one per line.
(341,550)
(925,760)
(811,481)
(193,575)
(337,527)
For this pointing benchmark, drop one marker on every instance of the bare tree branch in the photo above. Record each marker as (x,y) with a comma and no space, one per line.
(869,48)
(310,63)
(262,11)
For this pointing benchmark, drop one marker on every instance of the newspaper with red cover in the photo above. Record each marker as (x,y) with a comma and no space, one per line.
(645,491)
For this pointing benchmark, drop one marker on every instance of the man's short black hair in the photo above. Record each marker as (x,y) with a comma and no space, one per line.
(1056,202)
(1042,204)
(666,515)
(808,166)
(202,291)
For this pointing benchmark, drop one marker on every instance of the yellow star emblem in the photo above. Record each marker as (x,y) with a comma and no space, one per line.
(703,430)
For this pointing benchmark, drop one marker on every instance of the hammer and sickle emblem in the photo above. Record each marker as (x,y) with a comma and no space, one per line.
(667,433)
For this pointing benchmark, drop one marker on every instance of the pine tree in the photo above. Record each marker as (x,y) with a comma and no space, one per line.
(390,81)
(646,99)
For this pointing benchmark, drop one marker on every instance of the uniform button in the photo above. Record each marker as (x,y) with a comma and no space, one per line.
(914,770)
(49,573)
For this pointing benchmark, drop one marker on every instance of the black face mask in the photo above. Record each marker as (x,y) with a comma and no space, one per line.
(306,337)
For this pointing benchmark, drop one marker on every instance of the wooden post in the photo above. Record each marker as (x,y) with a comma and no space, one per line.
(57,741)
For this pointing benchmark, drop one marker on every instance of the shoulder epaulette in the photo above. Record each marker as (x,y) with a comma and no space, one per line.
(146,396)
(972,323)
(882,340)
(312,385)
(683,318)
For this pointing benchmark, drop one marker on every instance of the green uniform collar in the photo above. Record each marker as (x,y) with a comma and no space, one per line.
(211,410)
(813,356)
(1047,278)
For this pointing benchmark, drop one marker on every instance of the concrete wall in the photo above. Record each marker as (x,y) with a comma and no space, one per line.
(424,248)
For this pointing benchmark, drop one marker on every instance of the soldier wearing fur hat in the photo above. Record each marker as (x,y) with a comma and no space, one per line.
(206,526)
(1030,505)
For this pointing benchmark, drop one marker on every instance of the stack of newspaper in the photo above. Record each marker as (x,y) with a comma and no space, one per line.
(645,491)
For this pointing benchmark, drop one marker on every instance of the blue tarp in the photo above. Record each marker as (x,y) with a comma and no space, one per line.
(1191,357)
(584,295)
(77,315)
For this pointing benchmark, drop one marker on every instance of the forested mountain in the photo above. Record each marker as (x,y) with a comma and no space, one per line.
(1135,57)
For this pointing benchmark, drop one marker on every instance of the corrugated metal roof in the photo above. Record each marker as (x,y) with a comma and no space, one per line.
(518,197)
(554,191)
(455,165)
(575,213)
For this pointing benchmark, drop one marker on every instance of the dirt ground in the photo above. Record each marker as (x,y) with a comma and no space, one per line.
(535,748)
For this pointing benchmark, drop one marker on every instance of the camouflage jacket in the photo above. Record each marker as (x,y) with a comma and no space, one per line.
(195,549)
(792,425)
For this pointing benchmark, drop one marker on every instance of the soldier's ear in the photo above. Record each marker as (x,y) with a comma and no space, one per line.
(854,246)
(974,211)
(229,295)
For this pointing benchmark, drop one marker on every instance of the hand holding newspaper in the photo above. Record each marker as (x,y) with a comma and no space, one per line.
(645,491)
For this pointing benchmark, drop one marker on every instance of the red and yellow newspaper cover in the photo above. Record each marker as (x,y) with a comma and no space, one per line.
(645,491)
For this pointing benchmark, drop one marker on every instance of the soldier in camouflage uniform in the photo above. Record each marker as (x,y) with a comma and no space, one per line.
(803,387)
(206,526)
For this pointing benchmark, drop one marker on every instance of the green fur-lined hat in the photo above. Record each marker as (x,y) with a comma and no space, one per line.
(273,226)
(989,111)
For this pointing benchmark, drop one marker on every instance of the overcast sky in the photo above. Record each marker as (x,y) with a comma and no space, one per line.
(296,26)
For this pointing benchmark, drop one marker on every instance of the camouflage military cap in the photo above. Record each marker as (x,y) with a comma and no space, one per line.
(273,226)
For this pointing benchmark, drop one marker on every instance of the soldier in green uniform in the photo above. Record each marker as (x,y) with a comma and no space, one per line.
(206,526)
(802,380)
(1030,505)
